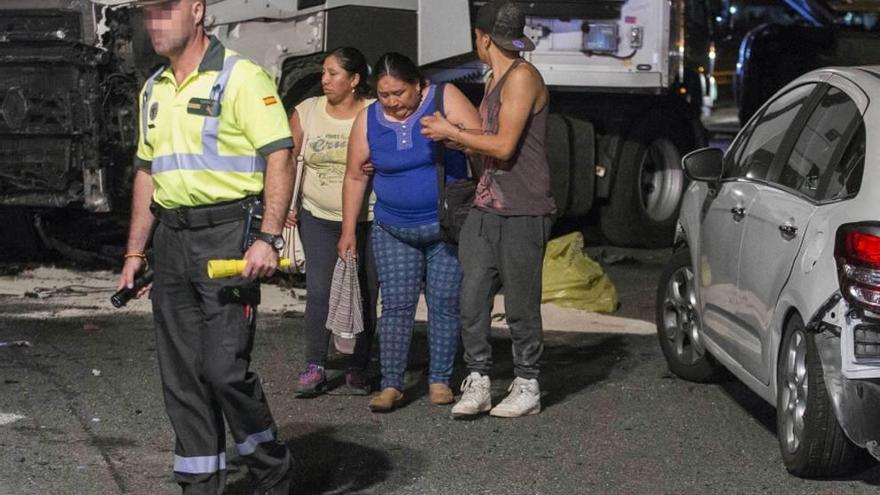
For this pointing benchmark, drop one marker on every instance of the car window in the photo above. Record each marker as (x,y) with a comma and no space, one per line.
(845,179)
(754,154)
(820,145)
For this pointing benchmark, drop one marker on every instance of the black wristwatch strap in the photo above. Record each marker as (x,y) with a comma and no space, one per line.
(276,241)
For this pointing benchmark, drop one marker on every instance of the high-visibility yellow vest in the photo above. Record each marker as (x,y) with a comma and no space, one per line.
(205,140)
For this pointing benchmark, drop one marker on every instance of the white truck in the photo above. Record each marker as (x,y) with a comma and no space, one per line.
(628,81)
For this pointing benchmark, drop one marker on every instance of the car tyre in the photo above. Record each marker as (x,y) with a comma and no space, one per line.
(679,323)
(811,440)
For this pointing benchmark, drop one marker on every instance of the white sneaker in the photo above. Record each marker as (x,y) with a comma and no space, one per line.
(475,396)
(524,399)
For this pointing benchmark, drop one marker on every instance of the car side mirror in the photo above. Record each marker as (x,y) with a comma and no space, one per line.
(703,165)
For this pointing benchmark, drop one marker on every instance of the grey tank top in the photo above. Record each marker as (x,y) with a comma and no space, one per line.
(520,186)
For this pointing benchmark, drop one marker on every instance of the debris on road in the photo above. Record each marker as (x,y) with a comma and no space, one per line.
(571,279)
(15,343)
(7,418)
(605,258)
(67,290)
(96,372)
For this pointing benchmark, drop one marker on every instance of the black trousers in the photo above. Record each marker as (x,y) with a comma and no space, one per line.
(204,350)
(508,252)
(319,239)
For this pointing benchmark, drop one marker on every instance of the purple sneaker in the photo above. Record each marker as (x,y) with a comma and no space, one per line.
(311,381)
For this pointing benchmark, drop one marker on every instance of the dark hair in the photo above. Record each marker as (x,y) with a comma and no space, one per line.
(398,66)
(353,61)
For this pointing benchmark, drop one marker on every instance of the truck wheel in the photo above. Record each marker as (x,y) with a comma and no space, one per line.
(679,323)
(646,191)
(583,168)
(300,79)
(559,156)
(811,440)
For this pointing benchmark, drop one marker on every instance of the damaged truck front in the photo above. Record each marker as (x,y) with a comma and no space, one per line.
(69,76)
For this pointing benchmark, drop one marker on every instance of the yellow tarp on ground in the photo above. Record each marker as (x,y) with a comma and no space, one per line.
(571,279)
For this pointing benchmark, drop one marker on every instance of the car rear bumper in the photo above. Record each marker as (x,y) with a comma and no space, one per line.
(856,402)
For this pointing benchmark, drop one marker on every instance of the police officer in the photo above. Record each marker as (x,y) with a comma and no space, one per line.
(213,137)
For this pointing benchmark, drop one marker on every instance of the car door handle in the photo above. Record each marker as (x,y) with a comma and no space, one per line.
(788,231)
(738,213)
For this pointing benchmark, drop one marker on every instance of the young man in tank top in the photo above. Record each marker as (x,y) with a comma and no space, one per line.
(503,240)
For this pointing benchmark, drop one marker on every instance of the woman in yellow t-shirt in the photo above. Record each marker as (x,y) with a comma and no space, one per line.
(320,127)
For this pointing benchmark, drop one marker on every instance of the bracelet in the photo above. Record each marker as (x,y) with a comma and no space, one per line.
(135,255)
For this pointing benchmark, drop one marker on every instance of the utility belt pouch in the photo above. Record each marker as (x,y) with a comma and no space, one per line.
(245,294)
(253,222)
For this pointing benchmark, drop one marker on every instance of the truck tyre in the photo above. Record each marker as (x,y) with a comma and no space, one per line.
(811,440)
(648,182)
(300,79)
(559,156)
(583,168)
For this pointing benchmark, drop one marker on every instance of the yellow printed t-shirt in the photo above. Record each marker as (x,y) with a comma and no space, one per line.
(324,153)
(252,125)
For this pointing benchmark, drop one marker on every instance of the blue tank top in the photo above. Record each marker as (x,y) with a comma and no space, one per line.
(405,177)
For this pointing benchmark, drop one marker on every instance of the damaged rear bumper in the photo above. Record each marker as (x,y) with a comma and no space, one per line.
(852,381)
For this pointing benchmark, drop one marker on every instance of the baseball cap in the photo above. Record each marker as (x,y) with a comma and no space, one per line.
(504,22)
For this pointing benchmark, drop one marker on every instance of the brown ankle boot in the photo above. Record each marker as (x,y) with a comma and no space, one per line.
(440,394)
(386,401)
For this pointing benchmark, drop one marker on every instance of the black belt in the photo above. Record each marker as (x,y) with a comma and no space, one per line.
(198,217)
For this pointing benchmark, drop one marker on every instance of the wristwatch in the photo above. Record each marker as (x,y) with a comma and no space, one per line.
(276,241)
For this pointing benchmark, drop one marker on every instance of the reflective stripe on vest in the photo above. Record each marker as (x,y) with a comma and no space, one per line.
(145,110)
(210,128)
(191,161)
(210,159)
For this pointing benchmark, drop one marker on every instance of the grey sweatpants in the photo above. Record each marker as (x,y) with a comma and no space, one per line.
(508,252)
(204,350)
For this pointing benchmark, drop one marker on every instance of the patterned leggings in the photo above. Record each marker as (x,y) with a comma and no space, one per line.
(405,257)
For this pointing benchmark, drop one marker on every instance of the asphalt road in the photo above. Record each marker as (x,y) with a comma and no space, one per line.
(615,420)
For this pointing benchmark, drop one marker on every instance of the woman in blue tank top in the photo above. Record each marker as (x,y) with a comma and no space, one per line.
(406,232)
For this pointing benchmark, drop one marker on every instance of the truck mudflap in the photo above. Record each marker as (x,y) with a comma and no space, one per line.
(853,383)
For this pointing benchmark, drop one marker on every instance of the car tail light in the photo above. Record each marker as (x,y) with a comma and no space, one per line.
(857,252)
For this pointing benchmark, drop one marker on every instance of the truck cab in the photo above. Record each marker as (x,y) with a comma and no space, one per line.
(628,80)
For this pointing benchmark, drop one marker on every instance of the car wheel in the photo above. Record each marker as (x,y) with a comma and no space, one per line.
(679,324)
(812,442)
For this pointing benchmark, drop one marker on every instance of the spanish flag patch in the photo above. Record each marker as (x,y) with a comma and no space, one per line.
(270,100)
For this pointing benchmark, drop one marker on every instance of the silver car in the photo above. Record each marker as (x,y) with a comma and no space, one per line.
(775,276)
